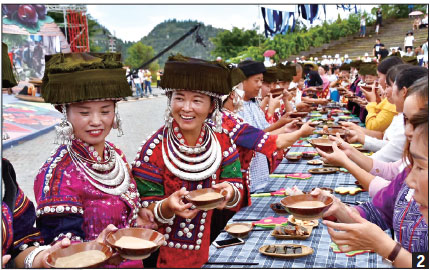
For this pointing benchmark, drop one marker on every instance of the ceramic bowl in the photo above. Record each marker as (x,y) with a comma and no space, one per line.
(332,131)
(276,91)
(308,156)
(135,253)
(243,233)
(76,248)
(298,114)
(306,213)
(293,157)
(205,204)
(322,144)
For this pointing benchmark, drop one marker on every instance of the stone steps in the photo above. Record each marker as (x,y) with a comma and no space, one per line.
(392,34)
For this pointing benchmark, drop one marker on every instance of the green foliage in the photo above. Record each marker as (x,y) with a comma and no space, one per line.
(165,33)
(397,11)
(138,54)
(231,43)
(292,43)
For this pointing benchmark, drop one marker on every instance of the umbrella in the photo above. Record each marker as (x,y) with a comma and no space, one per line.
(416,13)
(269,53)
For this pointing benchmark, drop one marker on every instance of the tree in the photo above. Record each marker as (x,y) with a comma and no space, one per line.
(229,44)
(138,54)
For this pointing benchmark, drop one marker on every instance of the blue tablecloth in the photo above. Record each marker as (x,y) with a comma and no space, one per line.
(323,256)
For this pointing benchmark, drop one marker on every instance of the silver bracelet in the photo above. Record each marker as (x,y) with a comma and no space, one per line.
(236,198)
(28,261)
(159,216)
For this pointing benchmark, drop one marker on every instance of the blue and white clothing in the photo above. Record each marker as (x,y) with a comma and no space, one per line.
(259,168)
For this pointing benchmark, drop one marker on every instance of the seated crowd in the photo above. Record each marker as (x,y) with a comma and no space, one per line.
(227,128)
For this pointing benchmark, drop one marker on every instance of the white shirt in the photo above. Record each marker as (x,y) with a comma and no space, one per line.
(390,148)
(409,41)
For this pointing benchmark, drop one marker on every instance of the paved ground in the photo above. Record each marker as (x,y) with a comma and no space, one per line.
(140,119)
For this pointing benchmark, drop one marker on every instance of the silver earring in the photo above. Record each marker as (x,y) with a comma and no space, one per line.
(217,117)
(64,130)
(168,119)
(117,122)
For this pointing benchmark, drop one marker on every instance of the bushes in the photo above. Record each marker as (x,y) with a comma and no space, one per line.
(290,44)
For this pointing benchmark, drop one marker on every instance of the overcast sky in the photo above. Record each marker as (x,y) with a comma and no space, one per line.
(132,22)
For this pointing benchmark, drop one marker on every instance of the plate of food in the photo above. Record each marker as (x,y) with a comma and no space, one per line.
(305,223)
(292,231)
(286,250)
(82,255)
(315,162)
(325,170)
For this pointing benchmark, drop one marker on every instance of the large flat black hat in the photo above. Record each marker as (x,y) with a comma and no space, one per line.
(346,67)
(76,77)
(368,69)
(250,67)
(186,73)
(271,75)
(8,79)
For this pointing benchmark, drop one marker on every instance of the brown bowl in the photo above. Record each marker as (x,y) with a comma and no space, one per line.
(332,131)
(298,114)
(306,213)
(76,248)
(322,144)
(308,156)
(141,233)
(276,91)
(243,233)
(293,157)
(205,204)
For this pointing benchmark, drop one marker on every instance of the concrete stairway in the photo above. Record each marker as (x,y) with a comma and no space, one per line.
(392,34)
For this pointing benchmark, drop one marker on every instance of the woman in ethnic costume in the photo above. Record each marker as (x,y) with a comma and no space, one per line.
(188,154)
(86,184)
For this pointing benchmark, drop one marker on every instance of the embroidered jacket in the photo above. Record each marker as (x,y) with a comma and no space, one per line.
(187,240)
(18,216)
(68,205)
(391,208)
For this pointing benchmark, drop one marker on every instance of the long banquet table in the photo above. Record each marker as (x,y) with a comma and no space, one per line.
(319,241)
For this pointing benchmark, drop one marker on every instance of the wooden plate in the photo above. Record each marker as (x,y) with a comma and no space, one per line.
(299,237)
(305,251)
(315,162)
(325,170)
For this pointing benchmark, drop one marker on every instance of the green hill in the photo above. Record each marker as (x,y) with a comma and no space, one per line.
(168,31)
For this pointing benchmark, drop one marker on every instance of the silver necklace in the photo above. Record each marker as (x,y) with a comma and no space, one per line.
(189,149)
(184,172)
(117,178)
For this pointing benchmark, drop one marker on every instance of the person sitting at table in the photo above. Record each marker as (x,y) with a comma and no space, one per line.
(374,174)
(186,154)
(388,146)
(418,179)
(380,114)
(250,140)
(253,114)
(362,227)
(273,107)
